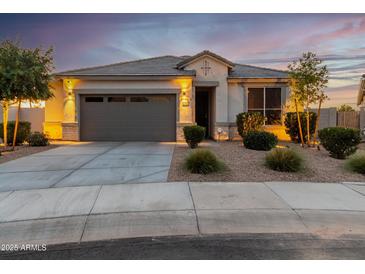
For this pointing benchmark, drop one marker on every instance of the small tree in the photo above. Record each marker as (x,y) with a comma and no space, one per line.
(27,77)
(321,98)
(307,81)
(345,108)
(9,60)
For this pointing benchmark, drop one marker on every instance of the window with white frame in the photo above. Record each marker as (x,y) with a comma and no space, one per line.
(266,101)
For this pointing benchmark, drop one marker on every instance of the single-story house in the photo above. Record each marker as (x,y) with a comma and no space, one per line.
(153,99)
(361,92)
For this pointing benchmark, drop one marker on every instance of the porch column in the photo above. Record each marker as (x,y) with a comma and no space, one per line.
(70,126)
(186,106)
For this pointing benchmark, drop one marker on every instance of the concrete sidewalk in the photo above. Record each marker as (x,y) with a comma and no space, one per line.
(91,213)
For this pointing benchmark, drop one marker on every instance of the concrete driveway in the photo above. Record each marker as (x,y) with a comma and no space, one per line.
(92,163)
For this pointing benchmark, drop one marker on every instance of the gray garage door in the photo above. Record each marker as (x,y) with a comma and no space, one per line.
(128,117)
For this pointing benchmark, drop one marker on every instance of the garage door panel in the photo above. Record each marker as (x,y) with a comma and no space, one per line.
(151,120)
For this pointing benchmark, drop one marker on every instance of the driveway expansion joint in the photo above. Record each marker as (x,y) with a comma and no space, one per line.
(79,167)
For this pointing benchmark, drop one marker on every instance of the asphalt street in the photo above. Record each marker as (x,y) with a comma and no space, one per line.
(234,247)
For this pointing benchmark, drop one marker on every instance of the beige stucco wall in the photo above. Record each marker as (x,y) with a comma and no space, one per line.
(217,73)
(54,112)
(236,101)
(62,111)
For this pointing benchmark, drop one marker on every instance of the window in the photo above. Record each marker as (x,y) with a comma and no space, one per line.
(139,99)
(94,99)
(116,99)
(266,101)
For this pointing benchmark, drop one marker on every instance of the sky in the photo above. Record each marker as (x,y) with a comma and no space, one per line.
(268,40)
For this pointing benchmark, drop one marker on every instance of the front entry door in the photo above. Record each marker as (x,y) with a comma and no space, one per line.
(202,110)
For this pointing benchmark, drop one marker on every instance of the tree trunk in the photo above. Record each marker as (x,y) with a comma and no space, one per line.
(308,133)
(317,123)
(16,124)
(5,121)
(299,123)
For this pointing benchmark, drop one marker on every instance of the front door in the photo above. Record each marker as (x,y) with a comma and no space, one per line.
(202,110)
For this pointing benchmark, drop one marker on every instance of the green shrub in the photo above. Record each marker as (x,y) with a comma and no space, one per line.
(37,139)
(203,161)
(260,140)
(249,121)
(292,128)
(340,142)
(22,134)
(356,163)
(194,135)
(284,159)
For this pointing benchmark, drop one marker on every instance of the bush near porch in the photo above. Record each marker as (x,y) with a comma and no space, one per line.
(260,140)
(249,121)
(194,135)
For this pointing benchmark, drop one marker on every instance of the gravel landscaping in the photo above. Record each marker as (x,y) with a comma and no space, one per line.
(21,151)
(248,165)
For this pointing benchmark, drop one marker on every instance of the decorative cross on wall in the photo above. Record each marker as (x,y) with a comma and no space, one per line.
(206,68)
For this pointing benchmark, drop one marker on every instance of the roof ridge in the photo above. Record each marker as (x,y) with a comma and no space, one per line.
(278,70)
(118,63)
(202,53)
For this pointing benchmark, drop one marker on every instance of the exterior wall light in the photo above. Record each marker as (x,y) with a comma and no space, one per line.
(68,84)
(185,100)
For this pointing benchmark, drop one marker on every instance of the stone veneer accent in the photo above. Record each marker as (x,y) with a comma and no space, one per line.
(233,133)
(224,136)
(180,132)
(70,132)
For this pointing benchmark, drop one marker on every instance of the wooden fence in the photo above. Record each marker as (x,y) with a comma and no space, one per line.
(350,119)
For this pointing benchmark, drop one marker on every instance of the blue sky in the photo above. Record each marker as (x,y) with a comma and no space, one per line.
(270,40)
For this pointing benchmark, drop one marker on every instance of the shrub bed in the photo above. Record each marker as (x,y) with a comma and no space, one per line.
(203,161)
(249,121)
(340,142)
(22,134)
(292,128)
(356,163)
(37,139)
(260,140)
(284,159)
(194,135)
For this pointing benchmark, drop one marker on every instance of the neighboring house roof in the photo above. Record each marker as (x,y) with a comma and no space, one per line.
(189,60)
(171,66)
(361,93)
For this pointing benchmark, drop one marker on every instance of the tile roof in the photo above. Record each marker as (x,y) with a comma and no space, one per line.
(171,66)
(163,65)
(247,71)
(186,61)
